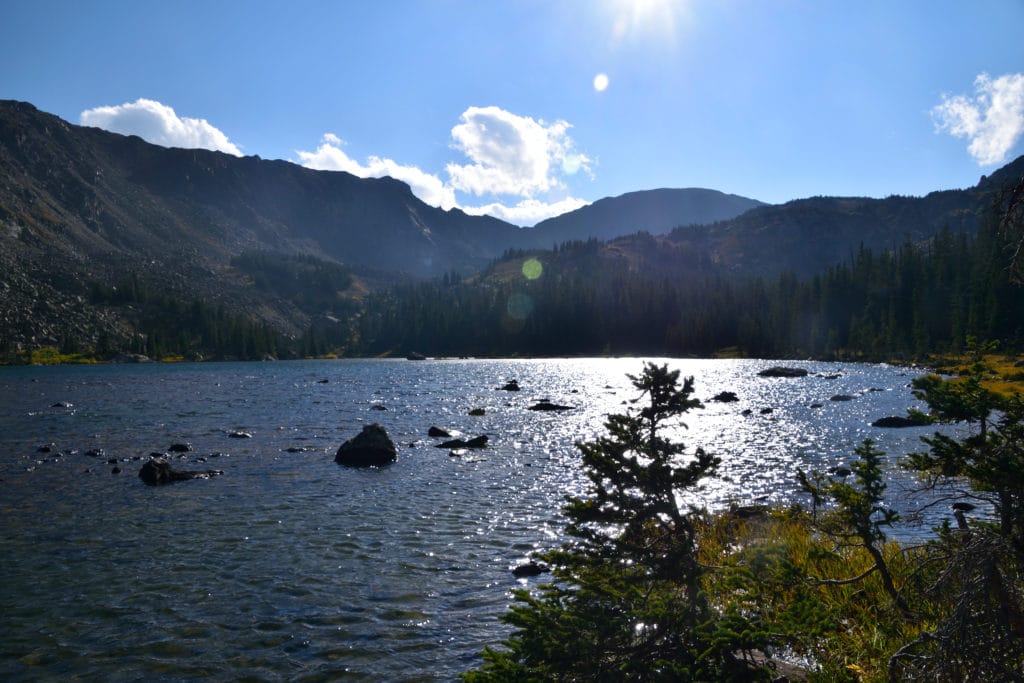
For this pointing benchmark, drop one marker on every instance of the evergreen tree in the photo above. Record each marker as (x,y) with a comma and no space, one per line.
(626,602)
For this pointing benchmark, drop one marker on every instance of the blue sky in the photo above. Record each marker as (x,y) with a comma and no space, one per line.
(523,109)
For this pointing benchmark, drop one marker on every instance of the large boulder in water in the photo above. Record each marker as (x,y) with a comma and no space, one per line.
(158,471)
(371,447)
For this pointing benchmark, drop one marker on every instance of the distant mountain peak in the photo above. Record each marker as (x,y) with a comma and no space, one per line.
(656,211)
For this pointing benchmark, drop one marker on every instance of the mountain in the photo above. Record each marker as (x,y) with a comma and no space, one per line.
(81,207)
(95,227)
(654,211)
(806,236)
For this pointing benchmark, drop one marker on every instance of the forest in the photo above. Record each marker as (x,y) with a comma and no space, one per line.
(892,305)
(637,295)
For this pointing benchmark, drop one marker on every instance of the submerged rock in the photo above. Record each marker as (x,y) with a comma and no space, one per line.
(546,405)
(529,569)
(158,471)
(779,371)
(841,397)
(372,447)
(511,385)
(475,442)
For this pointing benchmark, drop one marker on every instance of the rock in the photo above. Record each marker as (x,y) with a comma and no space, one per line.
(378,406)
(841,471)
(725,397)
(240,435)
(415,356)
(767,411)
(748,411)
(437,432)
(511,385)
(95,452)
(842,397)
(62,404)
(546,405)
(749,511)
(830,375)
(116,470)
(779,371)
(46,448)
(322,381)
(372,447)
(1019,364)
(963,506)
(455,444)
(477,412)
(131,358)
(180,448)
(816,405)
(529,569)
(897,422)
(158,471)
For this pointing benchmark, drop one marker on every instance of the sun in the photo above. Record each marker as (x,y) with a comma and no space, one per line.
(636,20)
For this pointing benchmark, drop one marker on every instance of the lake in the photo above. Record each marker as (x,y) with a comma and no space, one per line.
(291,567)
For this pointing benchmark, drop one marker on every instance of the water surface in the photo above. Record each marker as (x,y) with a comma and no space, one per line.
(290,567)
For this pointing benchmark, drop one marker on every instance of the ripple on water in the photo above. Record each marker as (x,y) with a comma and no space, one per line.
(289,566)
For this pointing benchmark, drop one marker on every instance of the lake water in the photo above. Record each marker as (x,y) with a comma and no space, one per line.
(290,567)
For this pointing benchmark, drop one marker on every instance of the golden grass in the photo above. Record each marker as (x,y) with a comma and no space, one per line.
(1002,375)
(761,565)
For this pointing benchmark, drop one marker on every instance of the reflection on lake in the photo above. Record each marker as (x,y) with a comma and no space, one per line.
(289,566)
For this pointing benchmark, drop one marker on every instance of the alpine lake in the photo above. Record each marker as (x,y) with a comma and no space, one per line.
(289,566)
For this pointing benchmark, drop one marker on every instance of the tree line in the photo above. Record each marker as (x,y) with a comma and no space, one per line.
(895,304)
(639,295)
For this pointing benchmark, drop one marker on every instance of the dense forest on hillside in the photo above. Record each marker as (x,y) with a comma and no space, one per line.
(905,303)
(638,295)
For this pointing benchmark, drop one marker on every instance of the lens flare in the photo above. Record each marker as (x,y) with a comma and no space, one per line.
(532,269)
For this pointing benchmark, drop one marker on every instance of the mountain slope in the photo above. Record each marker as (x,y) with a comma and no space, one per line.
(82,206)
(653,211)
(806,236)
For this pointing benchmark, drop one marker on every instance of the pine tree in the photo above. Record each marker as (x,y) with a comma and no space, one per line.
(626,602)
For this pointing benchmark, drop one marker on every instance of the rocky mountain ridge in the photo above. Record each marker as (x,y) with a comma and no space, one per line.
(82,208)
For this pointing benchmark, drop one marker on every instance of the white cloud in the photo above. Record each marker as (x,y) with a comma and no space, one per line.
(511,154)
(527,212)
(993,120)
(329,156)
(159,124)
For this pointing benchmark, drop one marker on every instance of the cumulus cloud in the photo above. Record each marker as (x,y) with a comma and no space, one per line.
(159,124)
(511,154)
(993,119)
(330,156)
(527,212)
